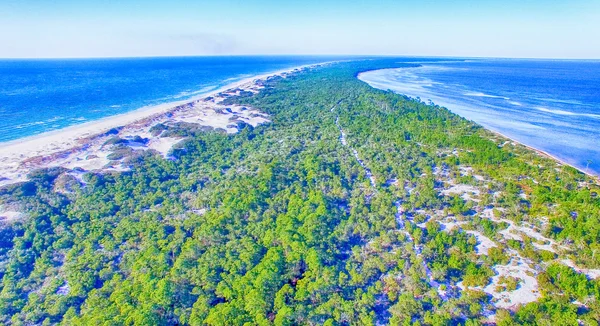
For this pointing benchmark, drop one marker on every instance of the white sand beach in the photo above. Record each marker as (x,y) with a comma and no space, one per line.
(82,147)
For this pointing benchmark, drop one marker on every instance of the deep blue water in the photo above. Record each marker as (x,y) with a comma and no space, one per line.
(551,105)
(43,95)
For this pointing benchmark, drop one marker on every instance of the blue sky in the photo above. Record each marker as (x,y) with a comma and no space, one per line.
(101,28)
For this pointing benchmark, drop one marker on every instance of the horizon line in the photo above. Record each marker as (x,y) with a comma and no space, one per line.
(300,55)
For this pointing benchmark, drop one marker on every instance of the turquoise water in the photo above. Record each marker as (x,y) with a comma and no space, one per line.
(550,105)
(37,96)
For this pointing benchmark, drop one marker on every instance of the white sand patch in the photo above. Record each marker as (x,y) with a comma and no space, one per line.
(9,216)
(163,144)
(449,226)
(160,144)
(82,147)
(478,177)
(465,191)
(63,289)
(483,243)
(487,213)
(591,273)
(418,251)
(421,211)
(200,211)
(465,170)
(511,233)
(515,232)
(79,176)
(547,247)
(344,142)
(368,172)
(211,114)
(533,234)
(527,290)
(443,172)
(342,133)
(91,159)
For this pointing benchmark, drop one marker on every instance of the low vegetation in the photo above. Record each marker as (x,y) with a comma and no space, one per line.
(279,224)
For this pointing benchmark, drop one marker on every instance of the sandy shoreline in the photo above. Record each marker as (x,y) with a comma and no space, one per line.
(539,151)
(83,146)
(104,124)
(544,153)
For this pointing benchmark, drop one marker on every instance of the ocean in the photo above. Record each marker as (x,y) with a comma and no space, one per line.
(551,105)
(38,96)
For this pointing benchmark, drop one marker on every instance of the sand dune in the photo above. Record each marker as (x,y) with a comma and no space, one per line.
(84,147)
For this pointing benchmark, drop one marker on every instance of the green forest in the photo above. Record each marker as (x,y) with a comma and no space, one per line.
(286,224)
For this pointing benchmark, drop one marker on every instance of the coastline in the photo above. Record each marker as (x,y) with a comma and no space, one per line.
(82,146)
(90,128)
(541,152)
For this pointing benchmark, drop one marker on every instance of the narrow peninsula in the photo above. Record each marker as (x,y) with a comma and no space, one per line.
(303,198)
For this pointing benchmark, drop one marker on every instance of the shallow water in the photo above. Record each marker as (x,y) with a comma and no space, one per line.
(37,96)
(550,105)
